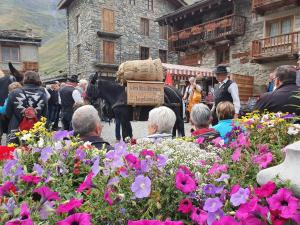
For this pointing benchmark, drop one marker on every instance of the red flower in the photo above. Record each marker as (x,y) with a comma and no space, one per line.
(6,153)
(185,206)
(265,190)
(133,161)
(147,152)
(7,187)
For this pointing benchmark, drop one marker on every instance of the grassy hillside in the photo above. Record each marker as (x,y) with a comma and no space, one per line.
(46,21)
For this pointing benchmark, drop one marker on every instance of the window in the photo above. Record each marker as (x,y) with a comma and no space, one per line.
(144,26)
(222,55)
(132,2)
(163,32)
(78,26)
(144,53)
(150,4)
(108,52)
(279,26)
(163,55)
(10,54)
(108,20)
(78,53)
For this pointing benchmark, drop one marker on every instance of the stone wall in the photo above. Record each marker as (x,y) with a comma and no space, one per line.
(127,24)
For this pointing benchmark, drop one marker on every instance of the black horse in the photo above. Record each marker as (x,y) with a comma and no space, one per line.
(4,82)
(115,95)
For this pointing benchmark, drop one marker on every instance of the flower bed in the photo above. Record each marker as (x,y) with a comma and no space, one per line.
(54,178)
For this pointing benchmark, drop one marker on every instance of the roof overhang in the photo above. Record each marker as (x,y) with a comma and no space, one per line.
(201,6)
(65,3)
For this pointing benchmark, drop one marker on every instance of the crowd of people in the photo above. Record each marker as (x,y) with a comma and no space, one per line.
(67,102)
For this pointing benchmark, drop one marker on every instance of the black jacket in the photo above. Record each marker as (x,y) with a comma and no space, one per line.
(281,100)
(98,142)
(17,104)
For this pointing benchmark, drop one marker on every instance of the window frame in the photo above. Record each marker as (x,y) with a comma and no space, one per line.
(279,22)
(145,26)
(222,49)
(150,5)
(10,53)
(163,32)
(142,53)
(78,53)
(105,57)
(164,52)
(77,24)
(132,2)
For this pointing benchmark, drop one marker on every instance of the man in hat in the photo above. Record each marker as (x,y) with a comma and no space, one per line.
(225,90)
(69,95)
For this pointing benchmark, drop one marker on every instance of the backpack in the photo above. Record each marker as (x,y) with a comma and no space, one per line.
(30,116)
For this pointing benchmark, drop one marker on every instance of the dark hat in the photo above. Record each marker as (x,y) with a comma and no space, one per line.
(221,70)
(73,78)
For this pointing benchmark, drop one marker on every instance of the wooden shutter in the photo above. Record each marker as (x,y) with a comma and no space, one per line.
(108,52)
(144,27)
(108,20)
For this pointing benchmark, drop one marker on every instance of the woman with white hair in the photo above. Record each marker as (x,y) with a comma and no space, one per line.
(160,123)
(201,119)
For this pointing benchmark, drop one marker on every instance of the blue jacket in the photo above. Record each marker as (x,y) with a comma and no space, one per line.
(224,127)
(3,107)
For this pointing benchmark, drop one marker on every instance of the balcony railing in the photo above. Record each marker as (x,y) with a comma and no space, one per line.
(277,46)
(220,29)
(190,60)
(260,6)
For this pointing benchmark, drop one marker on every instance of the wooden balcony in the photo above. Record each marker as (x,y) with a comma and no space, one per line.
(190,60)
(225,28)
(276,48)
(261,6)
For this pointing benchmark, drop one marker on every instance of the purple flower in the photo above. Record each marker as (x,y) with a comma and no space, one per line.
(113,181)
(61,134)
(145,167)
(121,147)
(223,177)
(114,159)
(8,166)
(240,197)
(80,154)
(19,171)
(161,161)
(141,187)
(96,167)
(212,205)
(46,210)
(46,153)
(212,217)
(37,168)
(10,206)
(209,189)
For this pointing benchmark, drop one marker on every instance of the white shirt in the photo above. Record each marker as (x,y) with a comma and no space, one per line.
(77,96)
(234,91)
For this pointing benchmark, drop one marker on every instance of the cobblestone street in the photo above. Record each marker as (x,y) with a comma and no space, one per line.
(139,131)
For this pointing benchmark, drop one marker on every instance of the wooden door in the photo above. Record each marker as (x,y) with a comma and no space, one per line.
(108,52)
(108,20)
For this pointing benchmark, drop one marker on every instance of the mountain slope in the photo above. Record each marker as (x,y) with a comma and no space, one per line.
(43,18)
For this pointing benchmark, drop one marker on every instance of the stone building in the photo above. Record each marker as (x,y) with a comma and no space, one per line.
(20,48)
(252,37)
(104,33)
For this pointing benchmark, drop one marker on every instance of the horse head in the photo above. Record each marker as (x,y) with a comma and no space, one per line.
(18,75)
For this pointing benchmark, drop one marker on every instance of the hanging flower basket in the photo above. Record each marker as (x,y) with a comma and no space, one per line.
(184,35)
(197,30)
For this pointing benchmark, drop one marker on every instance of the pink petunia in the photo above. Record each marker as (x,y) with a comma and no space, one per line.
(216,168)
(235,189)
(284,202)
(226,220)
(46,194)
(200,140)
(6,188)
(107,197)
(77,218)
(244,140)
(87,183)
(185,206)
(199,216)
(133,161)
(263,160)
(29,179)
(265,190)
(69,206)
(185,183)
(147,152)
(185,170)
(218,142)
(25,212)
(236,155)
(252,211)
